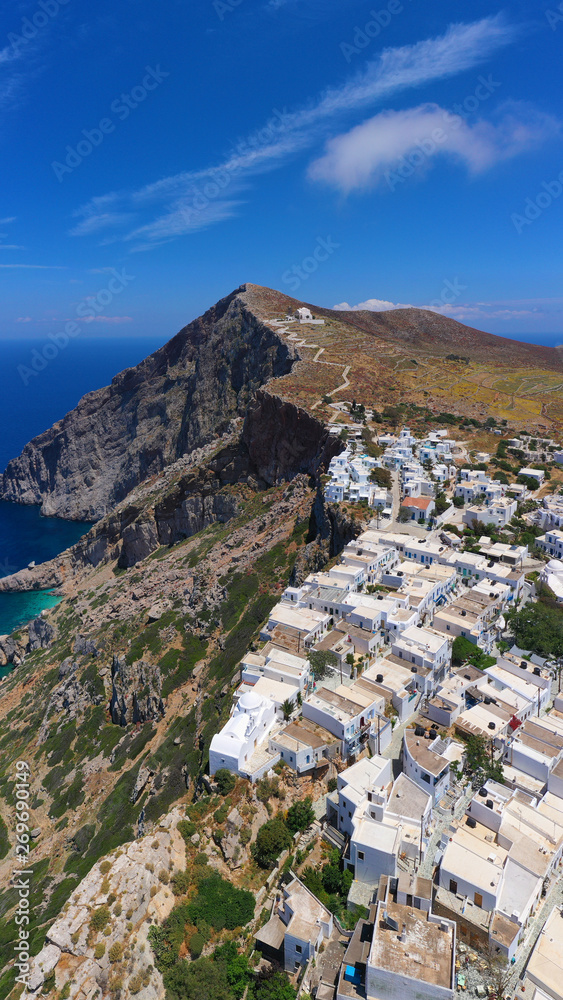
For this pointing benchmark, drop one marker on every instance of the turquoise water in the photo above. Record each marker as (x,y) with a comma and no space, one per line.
(16,609)
(27,537)
(26,410)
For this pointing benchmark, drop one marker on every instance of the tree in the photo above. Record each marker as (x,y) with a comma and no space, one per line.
(458,502)
(539,628)
(382,477)
(320,661)
(404,515)
(273,837)
(287,707)
(464,651)
(203,979)
(441,503)
(272,985)
(480,762)
(300,815)
(225,780)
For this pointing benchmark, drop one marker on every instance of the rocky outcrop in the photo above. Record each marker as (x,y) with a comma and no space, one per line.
(179,399)
(41,635)
(283,439)
(136,692)
(330,529)
(131,886)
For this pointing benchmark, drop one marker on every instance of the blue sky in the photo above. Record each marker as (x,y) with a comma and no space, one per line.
(157,156)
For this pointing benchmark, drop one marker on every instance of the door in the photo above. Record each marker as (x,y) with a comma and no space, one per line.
(453,886)
(478,899)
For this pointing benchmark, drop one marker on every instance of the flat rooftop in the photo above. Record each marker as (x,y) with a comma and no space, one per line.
(426,954)
(419,749)
(545,966)
(305,733)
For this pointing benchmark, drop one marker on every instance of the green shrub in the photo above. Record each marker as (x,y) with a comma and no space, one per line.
(196,945)
(220,904)
(300,815)
(186,828)
(225,780)
(99,918)
(273,838)
(115,954)
(99,950)
(180,882)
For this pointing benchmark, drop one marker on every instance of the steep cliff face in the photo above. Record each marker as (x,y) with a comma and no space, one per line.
(278,442)
(283,439)
(177,400)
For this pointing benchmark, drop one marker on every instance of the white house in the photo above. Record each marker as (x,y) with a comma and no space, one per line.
(297,928)
(427,762)
(551,543)
(346,712)
(498,513)
(357,785)
(246,730)
(403,952)
(425,649)
(388,825)
(537,474)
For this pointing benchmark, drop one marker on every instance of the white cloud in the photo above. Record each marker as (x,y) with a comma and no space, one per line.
(466,312)
(394,70)
(35,267)
(415,138)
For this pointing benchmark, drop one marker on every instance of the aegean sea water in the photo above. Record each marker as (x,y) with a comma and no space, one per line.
(27,410)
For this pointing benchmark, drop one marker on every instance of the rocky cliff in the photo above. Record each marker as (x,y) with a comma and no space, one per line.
(177,400)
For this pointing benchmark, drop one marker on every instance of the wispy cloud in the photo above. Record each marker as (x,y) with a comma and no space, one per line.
(370,152)
(6,221)
(460,48)
(108,319)
(35,267)
(10,246)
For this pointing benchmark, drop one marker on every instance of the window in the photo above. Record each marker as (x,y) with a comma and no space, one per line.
(298,949)
(360,855)
(426,777)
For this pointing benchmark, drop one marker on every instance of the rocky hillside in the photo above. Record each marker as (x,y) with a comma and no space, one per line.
(113,700)
(179,399)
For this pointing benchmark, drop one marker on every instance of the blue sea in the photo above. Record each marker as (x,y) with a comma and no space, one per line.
(27,410)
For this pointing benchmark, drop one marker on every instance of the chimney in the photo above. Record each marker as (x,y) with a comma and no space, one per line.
(403,936)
